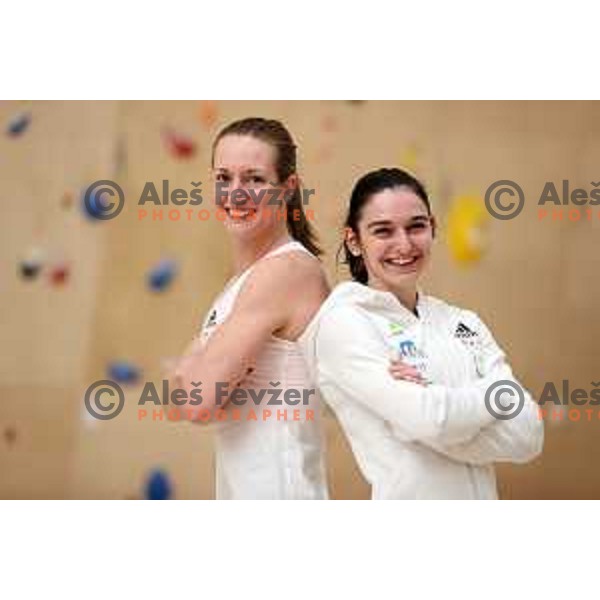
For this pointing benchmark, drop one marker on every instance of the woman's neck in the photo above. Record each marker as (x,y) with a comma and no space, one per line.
(406,297)
(248,252)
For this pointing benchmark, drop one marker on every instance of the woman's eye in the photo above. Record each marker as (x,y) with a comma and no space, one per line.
(416,226)
(222,177)
(257,179)
(383,231)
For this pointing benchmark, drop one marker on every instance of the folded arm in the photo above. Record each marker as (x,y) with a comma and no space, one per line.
(352,365)
(518,439)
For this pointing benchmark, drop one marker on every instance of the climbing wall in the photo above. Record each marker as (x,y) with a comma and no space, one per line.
(86,299)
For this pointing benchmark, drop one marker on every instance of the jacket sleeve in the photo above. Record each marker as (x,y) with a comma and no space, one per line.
(352,366)
(518,439)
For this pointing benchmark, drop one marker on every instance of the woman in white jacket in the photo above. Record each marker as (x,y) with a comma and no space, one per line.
(431,421)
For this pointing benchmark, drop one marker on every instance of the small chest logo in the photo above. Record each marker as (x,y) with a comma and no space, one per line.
(408,349)
(204,329)
(212,320)
(395,328)
(464,333)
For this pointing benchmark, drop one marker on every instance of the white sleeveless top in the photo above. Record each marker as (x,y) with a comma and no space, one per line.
(270,458)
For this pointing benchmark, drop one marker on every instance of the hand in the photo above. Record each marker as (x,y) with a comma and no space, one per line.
(400,370)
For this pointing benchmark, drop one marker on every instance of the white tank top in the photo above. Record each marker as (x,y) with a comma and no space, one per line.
(269,458)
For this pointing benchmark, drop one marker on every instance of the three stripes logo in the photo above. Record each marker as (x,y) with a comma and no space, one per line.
(464,333)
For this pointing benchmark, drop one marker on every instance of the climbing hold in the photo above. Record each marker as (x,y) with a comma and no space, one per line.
(158,485)
(208,113)
(122,371)
(18,124)
(59,274)
(98,204)
(466,220)
(179,145)
(29,268)
(161,275)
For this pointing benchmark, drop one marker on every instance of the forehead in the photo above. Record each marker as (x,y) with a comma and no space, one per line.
(393,204)
(242,152)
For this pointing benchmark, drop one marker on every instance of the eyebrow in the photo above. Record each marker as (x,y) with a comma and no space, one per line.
(415,219)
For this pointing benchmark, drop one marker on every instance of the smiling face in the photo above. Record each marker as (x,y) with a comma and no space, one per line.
(394,238)
(246,177)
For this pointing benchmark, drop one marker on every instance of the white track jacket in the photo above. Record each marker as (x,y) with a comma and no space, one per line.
(414,441)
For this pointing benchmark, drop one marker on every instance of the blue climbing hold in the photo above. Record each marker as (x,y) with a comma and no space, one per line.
(161,275)
(94,208)
(18,124)
(122,371)
(158,485)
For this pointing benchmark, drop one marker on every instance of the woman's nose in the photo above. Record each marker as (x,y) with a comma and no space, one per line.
(402,242)
(235,192)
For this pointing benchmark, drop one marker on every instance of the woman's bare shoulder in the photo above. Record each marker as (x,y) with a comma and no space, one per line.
(294,272)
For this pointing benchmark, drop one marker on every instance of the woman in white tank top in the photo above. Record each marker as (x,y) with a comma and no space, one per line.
(268,435)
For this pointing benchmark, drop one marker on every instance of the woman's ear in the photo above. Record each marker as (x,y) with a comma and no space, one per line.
(433,222)
(351,241)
